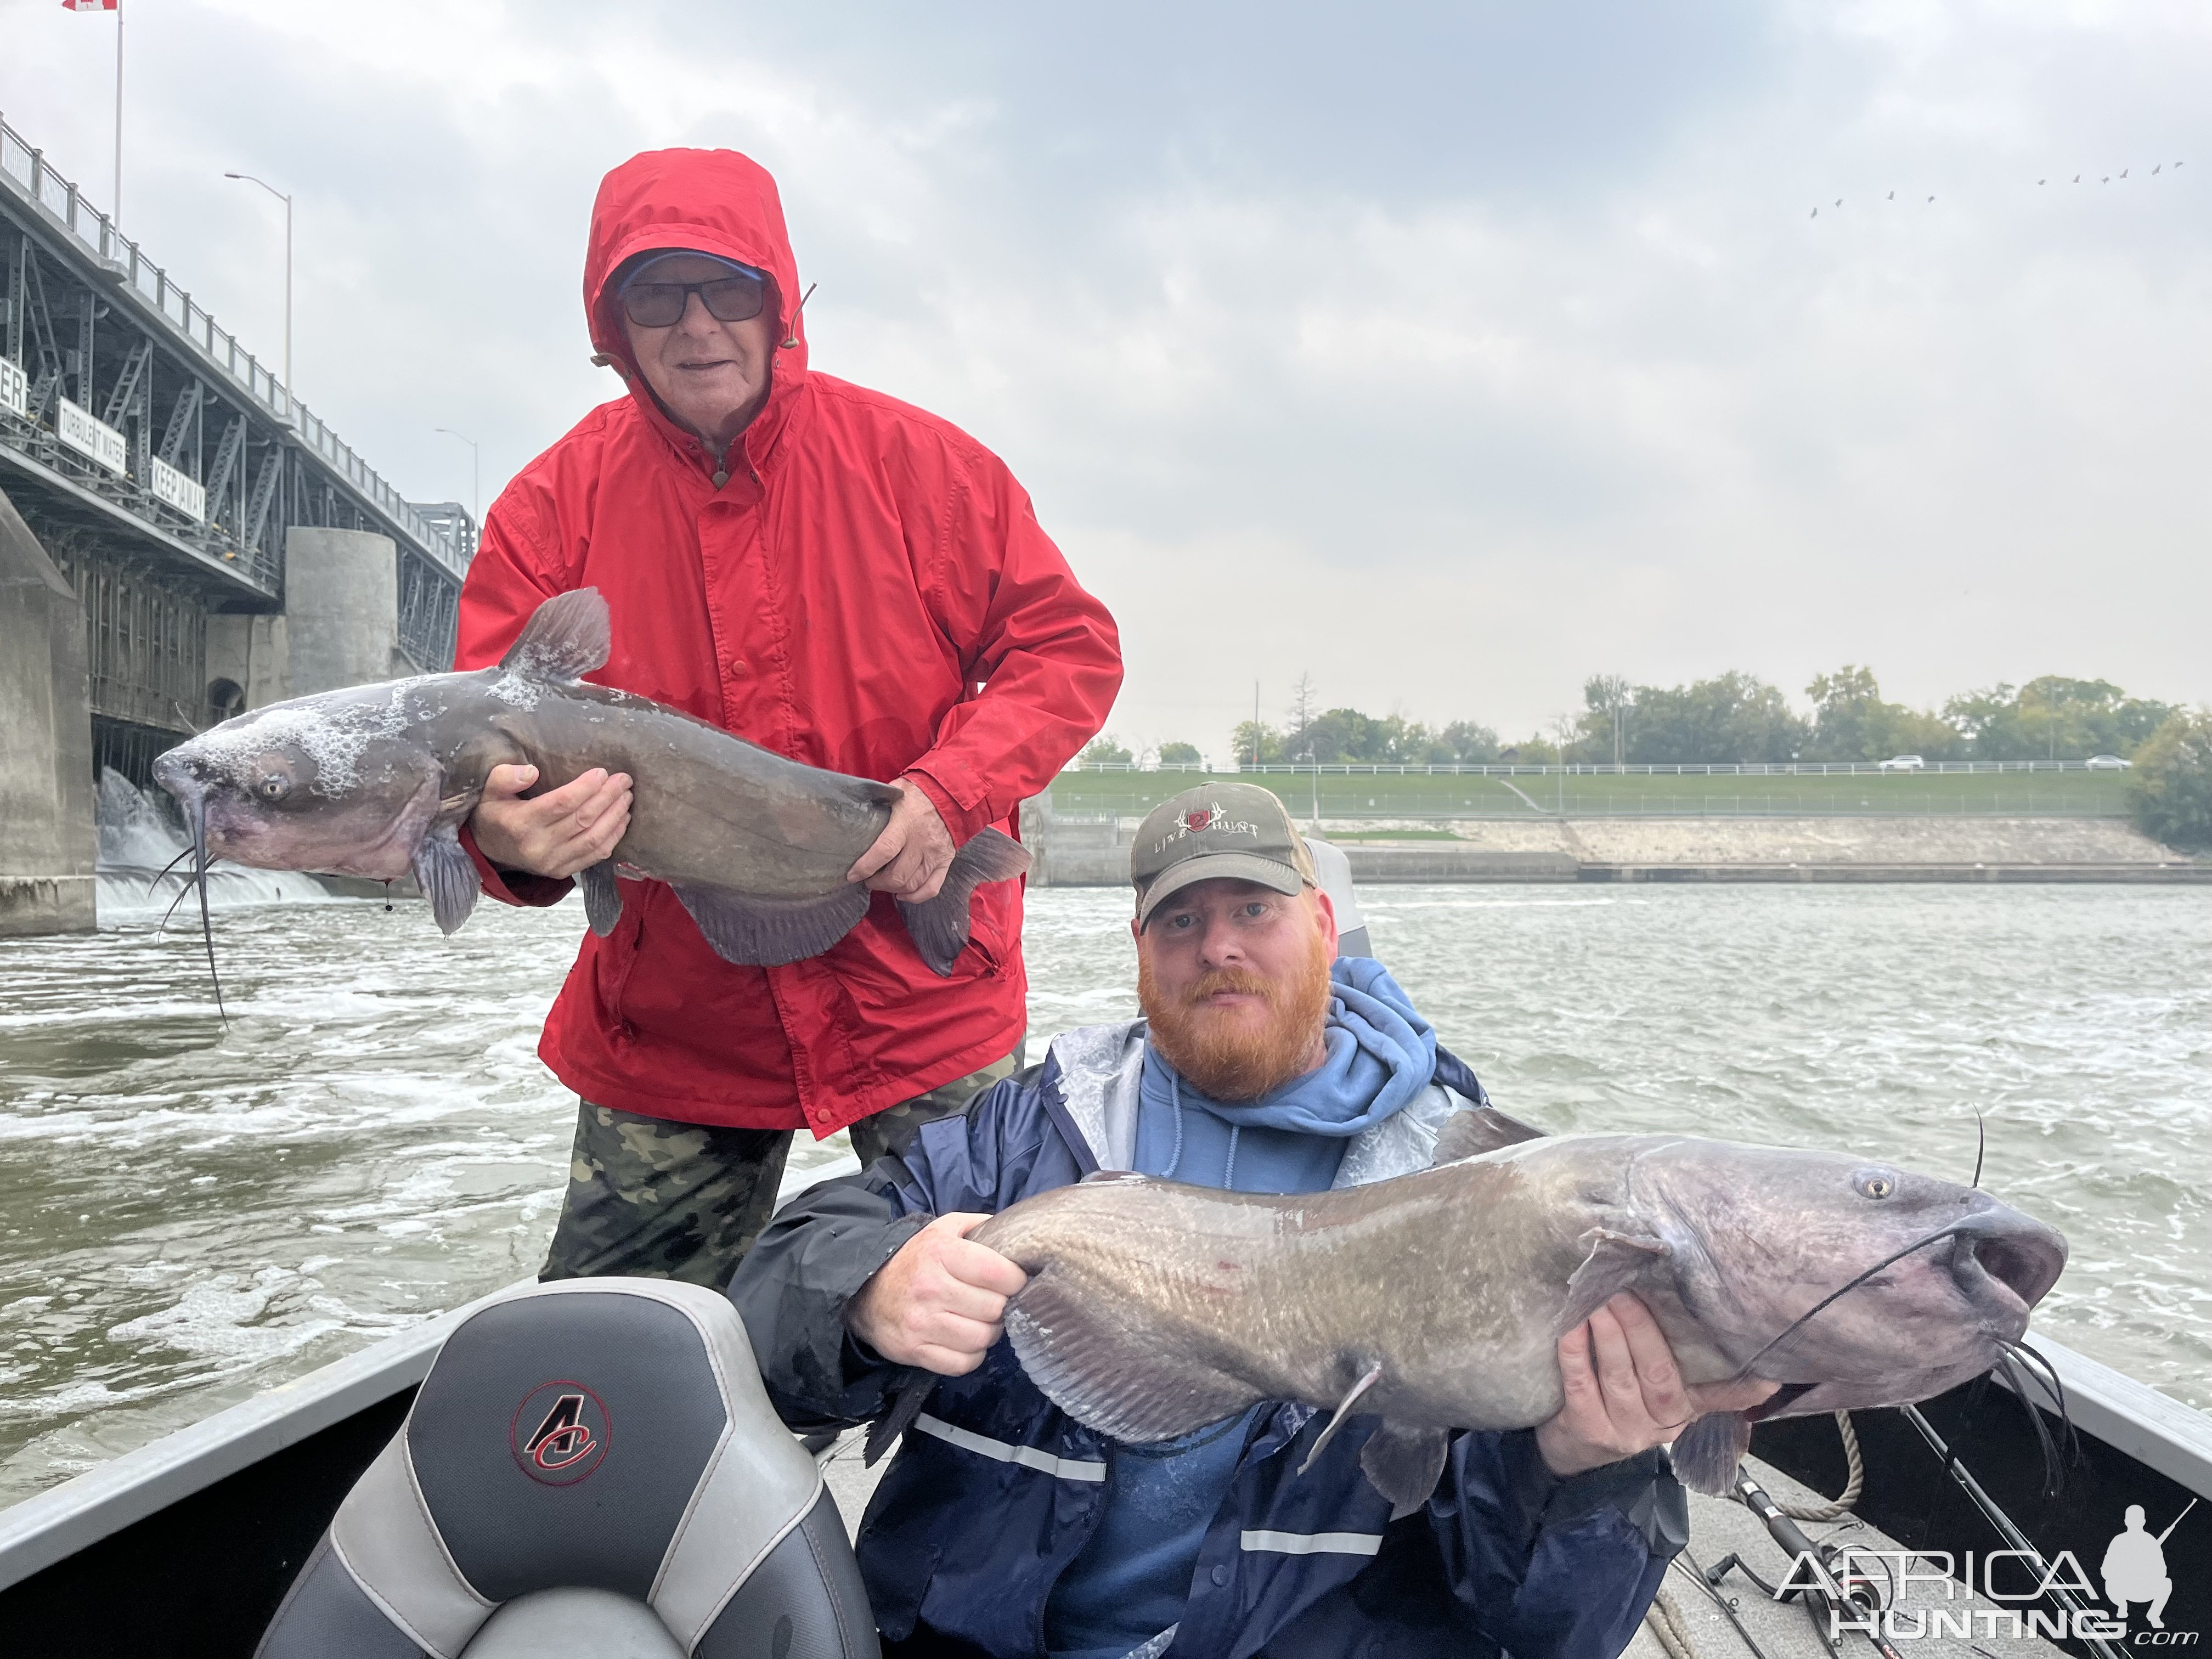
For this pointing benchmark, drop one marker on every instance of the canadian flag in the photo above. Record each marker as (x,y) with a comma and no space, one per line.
(90,5)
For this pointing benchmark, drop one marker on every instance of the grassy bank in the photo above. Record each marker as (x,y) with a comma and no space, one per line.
(2039,794)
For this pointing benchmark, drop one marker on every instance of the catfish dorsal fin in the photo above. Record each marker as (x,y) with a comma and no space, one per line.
(1478,1130)
(565,639)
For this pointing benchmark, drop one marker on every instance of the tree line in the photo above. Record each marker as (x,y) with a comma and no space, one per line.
(1732,718)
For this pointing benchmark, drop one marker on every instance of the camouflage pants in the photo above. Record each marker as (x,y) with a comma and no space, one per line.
(661,1199)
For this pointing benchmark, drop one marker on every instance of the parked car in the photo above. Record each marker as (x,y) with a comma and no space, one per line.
(1904,763)
(2108,763)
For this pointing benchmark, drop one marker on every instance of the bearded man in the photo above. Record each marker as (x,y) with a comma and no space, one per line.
(1265,1062)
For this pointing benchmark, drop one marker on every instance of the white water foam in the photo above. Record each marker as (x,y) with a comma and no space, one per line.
(141,835)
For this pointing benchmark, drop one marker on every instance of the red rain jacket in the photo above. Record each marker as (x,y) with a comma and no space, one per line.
(840,600)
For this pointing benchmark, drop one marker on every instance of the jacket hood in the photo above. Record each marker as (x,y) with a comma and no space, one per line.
(710,201)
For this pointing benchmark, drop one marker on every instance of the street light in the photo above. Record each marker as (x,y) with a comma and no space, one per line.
(475,490)
(287,201)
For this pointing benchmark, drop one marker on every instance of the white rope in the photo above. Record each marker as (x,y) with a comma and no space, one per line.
(1854,1482)
(1665,1619)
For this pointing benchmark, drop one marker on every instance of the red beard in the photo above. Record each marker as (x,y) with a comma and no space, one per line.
(1228,1059)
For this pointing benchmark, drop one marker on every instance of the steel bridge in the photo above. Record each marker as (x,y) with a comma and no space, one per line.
(163,465)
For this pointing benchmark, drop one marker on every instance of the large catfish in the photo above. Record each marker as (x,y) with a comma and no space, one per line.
(376,779)
(1434,1300)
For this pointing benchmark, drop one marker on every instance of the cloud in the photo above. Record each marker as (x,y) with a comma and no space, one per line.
(1452,355)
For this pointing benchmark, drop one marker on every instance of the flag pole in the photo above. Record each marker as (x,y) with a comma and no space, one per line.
(119,120)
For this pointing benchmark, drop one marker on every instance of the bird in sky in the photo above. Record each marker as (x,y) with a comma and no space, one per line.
(1931,198)
(2043,181)
(2077,178)
(1839,201)
(2123,172)
(1816,212)
(1892,196)
(2155,171)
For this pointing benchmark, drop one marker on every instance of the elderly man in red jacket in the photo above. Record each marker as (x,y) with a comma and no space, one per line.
(831,573)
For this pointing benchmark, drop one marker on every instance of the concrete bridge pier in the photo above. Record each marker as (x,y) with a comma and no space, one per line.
(342,625)
(341,610)
(47,838)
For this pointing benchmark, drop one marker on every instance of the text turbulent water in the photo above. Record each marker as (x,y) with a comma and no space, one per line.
(188,1214)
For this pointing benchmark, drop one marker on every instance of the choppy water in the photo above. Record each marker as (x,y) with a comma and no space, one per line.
(187,1215)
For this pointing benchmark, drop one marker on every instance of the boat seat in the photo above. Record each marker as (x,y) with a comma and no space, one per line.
(590,1468)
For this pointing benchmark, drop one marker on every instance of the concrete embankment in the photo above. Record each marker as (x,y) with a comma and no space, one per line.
(1095,852)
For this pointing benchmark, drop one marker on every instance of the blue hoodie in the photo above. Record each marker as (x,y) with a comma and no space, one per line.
(1132,1579)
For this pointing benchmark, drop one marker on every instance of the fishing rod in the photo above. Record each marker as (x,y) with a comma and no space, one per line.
(1849,1603)
(1710,1582)
(2012,1535)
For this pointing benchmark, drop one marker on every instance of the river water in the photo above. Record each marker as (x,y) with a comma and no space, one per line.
(189,1214)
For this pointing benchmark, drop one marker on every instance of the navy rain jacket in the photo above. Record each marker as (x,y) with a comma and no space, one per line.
(994,1490)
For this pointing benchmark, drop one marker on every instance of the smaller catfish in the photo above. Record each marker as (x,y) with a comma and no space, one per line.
(1434,1301)
(376,781)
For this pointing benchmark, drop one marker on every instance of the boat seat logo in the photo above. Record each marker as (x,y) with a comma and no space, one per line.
(559,1432)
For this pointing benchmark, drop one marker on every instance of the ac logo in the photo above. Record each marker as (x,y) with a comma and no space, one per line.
(559,1433)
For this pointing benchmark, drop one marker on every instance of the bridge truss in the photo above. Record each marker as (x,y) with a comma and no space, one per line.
(165,463)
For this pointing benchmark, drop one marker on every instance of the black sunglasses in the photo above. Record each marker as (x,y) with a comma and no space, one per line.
(727,299)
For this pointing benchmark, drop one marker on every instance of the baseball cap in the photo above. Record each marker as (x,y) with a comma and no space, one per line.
(1217,832)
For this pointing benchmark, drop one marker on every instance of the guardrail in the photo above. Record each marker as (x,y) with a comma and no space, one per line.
(217,349)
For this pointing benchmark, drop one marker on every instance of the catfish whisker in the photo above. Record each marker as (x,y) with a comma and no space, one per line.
(207,928)
(184,891)
(2047,1378)
(1981,1147)
(1949,1232)
(2053,1476)
(165,870)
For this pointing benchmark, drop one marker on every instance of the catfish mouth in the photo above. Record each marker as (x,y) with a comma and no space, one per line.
(2004,1264)
(1999,1262)
(360,841)
(345,838)
(1778,1404)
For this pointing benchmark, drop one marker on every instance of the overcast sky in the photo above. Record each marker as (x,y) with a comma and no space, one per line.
(1451,353)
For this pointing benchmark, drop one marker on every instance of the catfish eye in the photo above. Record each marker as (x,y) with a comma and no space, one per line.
(274,786)
(1875,1183)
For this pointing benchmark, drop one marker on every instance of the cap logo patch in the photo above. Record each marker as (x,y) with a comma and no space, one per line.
(559,1433)
(1215,819)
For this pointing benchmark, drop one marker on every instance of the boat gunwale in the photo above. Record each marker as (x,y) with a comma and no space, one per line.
(2131,1417)
(50,1527)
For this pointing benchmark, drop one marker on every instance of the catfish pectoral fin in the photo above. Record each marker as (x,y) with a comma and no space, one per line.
(1373,1376)
(447,877)
(939,927)
(602,898)
(767,933)
(1404,1464)
(906,1404)
(1705,1455)
(1614,1261)
(1108,1372)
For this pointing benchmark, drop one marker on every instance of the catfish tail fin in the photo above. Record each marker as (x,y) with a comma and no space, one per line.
(939,927)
